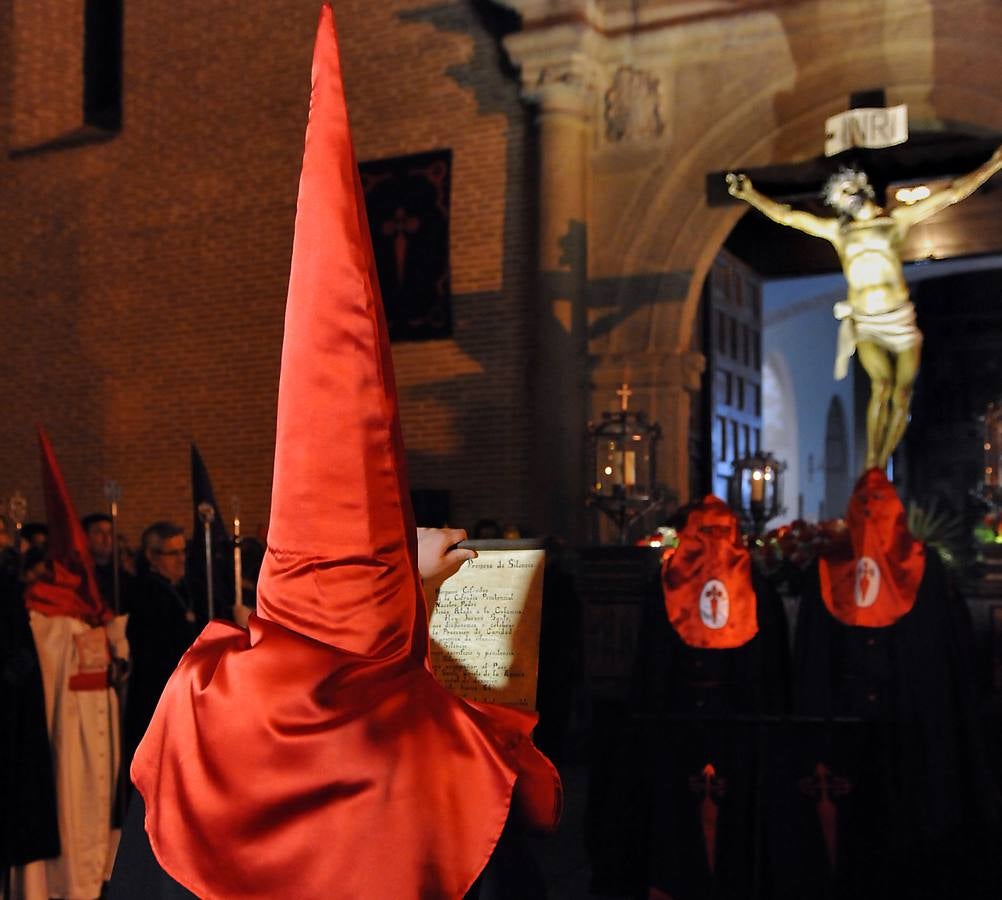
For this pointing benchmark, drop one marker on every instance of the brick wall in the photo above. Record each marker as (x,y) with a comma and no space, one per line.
(142,280)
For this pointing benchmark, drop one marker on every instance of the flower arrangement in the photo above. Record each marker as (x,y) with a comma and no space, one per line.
(784,553)
(662,536)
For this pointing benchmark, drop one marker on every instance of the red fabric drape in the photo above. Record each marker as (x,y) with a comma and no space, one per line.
(315,755)
(709,597)
(872,575)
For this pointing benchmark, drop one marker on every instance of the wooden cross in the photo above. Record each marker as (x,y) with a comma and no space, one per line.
(624,394)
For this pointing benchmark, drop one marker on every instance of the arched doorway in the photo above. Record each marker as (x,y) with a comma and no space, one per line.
(780,429)
(836,461)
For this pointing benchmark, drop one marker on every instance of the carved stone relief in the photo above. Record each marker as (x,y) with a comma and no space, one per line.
(633,106)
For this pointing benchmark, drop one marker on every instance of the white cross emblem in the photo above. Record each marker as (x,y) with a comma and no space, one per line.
(714,604)
(867,582)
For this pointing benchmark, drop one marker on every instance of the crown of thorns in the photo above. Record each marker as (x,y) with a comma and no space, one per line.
(846,181)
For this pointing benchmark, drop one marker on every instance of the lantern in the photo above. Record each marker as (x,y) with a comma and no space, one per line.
(756,489)
(623,481)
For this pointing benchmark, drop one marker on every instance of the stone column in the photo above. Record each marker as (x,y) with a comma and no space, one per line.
(558,84)
(682,377)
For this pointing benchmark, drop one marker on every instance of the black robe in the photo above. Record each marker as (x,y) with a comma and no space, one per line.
(712,708)
(29,827)
(161,627)
(105,574)
(912,800)
(691,707)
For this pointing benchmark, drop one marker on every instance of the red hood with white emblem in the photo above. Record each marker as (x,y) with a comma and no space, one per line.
(871,578)
(707,581)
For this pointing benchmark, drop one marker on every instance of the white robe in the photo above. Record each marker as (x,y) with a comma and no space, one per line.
(84,736)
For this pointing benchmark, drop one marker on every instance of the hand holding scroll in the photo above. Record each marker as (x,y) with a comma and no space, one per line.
(438,555)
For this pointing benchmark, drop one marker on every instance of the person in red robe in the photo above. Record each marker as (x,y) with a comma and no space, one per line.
(314,755)
(82,653)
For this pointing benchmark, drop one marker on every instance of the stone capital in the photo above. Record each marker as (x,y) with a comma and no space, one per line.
(647,371)
(559,67)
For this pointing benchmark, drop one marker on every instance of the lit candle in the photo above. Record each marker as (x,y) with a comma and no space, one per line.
(629,468)
(757,486)
(238,573)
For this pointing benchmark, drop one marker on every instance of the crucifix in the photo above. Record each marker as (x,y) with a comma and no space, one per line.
(877,318)
(399,227)
(624,393)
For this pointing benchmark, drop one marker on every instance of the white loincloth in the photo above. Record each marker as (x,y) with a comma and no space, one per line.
(894,330)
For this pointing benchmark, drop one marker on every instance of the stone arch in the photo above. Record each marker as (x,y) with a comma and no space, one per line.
(700,231)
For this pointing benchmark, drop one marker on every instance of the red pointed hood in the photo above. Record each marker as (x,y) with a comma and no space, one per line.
(324,721)
(71,589)
(709,597)
(872,577)
(342,529)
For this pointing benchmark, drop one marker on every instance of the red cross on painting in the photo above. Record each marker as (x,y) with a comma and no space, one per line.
(399,227)
(715,595)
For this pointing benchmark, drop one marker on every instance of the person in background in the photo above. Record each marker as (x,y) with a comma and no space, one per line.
(33,565)
(162,625)
(100,539)
(82,651)
(34,534)
(29,824)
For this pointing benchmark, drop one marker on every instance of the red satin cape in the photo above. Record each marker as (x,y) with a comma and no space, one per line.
(708,592)
(871,577)
(277,766)
(315,755)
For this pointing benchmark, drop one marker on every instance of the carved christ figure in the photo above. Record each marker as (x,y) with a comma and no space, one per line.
(877,317)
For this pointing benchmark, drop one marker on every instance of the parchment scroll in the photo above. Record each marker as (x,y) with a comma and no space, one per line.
(485,624)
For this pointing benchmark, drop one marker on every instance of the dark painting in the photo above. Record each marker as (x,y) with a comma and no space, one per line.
(407,200)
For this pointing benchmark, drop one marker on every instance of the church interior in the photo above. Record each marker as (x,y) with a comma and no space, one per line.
(598,348)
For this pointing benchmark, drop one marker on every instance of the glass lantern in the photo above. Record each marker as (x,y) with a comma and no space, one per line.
(623,472)
(756,489)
